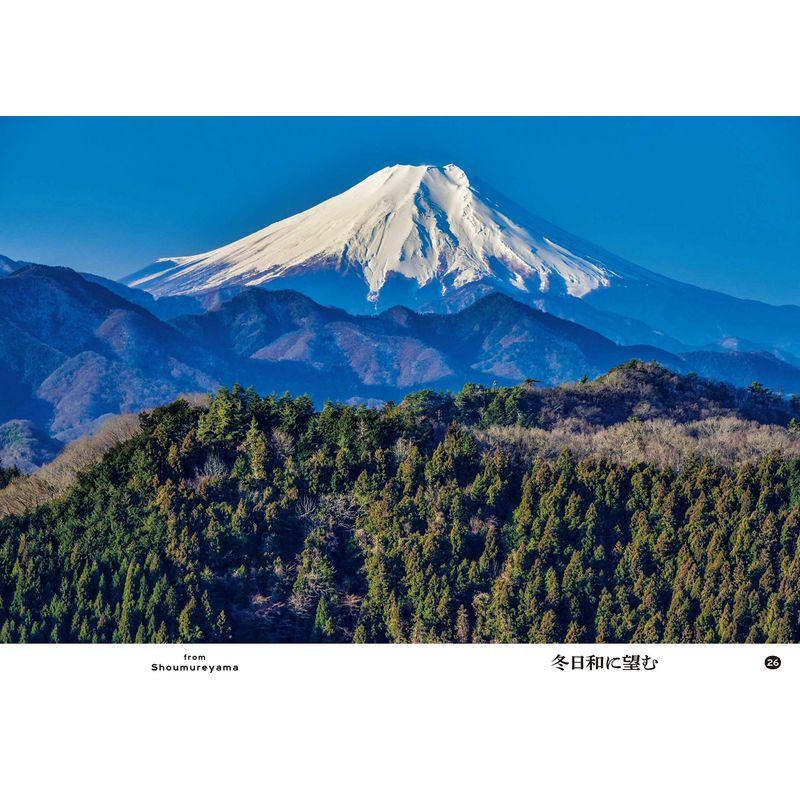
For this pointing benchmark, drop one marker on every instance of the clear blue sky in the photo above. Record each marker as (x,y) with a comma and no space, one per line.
(715,202)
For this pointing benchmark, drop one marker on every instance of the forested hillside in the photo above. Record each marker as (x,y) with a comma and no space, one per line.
(260,519)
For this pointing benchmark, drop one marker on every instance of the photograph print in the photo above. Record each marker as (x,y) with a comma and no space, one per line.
(399,380)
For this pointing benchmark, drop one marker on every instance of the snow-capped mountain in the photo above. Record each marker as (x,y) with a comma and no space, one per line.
(427,238)
(423,227)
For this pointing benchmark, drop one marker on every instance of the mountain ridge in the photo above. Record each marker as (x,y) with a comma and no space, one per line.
(73,352)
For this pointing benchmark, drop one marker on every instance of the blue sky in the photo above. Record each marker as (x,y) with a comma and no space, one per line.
(712,201)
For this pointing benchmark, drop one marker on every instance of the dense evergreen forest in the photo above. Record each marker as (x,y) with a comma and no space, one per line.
(260,519)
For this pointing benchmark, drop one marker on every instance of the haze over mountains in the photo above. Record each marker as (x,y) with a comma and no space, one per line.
(7,266)
(411,279)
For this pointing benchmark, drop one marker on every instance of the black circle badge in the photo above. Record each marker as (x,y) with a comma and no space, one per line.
(772,662)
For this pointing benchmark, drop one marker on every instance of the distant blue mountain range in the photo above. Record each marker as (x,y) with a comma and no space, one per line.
(76,348)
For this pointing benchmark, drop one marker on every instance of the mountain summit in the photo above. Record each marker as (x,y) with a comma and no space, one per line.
(405,233)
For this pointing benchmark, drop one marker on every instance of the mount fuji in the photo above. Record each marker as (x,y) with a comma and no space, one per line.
(425,237)
(426,226)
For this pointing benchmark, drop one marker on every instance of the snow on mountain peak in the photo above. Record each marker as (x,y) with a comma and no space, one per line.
(425,223)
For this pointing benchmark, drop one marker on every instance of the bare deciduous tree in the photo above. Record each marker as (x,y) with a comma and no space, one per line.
(53,479)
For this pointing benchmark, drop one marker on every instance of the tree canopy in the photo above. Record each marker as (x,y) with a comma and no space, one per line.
(259,519)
